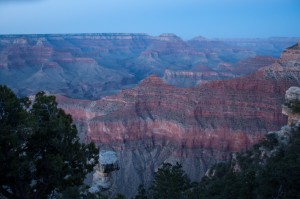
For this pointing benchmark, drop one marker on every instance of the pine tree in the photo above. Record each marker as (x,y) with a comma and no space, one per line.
(142,194)
(170,181)
(40,151)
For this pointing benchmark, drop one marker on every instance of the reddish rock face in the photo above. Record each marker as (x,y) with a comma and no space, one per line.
(90,66)
(202,74)
(156,122)
(236,113)
(244,108)
(250,65)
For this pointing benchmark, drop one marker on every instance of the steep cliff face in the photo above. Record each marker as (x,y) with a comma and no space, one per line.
(202,74)
(270,169)
(90,66)
(102,179)
(250,65)
(156,122)
(191,78)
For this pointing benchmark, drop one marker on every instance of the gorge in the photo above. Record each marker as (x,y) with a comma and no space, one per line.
(91,66)
(158,99)
(156,122)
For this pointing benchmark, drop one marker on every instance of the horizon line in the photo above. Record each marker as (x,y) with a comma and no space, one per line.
(141,34)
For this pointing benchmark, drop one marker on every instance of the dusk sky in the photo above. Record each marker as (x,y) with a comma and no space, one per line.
(185,18)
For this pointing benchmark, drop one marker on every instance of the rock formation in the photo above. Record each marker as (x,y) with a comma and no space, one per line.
(90,66)
(285,134)
(102,179)
(270,169)
(156,122)
(291,106)
(202,74)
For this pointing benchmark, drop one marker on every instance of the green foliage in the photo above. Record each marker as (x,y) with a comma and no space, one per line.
(142,193)
(270,142)
(119,196)
(277,176)
(268,170)
(281,176)
(170,181)
(295,106)
(39,148)
(78,192)
(71,193)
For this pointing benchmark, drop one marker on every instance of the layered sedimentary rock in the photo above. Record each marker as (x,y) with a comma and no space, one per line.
(156,122)
(191,78)
(262,46)
(285,134)
(90,66)
(202,74)
(250,65)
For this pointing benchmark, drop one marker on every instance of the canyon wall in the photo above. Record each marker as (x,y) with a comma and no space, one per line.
(203,74)
(90,66)
(156,122)
(150,121)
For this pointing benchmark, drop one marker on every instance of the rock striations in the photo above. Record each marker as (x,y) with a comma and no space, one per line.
(90,66)
(284,135)
(199,126)
(202,74)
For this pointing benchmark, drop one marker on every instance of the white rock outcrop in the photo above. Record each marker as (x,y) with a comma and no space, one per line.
(292,103)
(102,179)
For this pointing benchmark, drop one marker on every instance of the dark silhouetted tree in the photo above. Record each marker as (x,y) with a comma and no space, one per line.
(40,152)
(142,193)
(170,181)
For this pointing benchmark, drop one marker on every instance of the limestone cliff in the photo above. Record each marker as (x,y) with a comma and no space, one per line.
(156,122)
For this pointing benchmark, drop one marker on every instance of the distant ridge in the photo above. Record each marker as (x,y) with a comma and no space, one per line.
(74,34)
(94,65)
(296,46)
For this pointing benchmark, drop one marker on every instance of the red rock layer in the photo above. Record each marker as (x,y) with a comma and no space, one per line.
(250,65)
(90,66)
(198,127)
(224,115)
(201,74)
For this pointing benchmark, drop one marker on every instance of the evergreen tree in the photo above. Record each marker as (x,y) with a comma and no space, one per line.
(170,181)
(142,193)
(39,148)
(276,176)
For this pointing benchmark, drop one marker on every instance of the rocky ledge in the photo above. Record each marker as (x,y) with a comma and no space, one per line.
(102,179)
(291,106)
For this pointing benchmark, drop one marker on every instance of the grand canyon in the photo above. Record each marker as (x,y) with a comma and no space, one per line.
(158,99)
(90,66)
